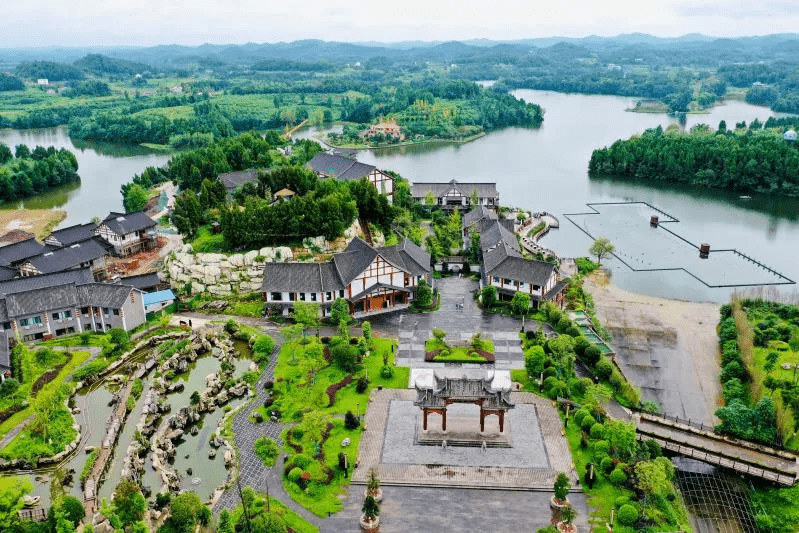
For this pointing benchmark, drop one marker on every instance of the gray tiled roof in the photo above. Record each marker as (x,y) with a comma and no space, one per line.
(300,277)
(103,294)
(13,253)
(68,257)
(141,281)
(72,234)
(494,233)
(333,165)
(27,283)
(492,257)
(125,223)
(408,256)
(420,189)
(345,266)
(233,180)
(356,172)
(41,300)
(520,269)
(478,214)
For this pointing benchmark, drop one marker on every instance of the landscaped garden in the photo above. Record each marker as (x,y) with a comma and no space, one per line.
(263,515)
(477,350)
(323,385)
(39,390)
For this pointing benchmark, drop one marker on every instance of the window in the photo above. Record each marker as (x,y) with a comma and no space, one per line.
(496,279)
(276,296)
(292,296)
(56,316)
(67,314)
(407,280)
(341,293)
(302,296)
(106,311)
(6,325)
(313,296)
(328,296)
(506,281)
(536,287)
(116,312)
(84,310)
(37,320)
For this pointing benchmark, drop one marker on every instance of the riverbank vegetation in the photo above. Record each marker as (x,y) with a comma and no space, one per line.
(760,351)
(746,160)
(25,172)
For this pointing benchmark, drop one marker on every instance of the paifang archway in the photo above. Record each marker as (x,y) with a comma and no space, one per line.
(445,391)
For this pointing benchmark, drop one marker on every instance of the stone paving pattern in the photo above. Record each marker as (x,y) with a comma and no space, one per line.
(417,473)
(400,447)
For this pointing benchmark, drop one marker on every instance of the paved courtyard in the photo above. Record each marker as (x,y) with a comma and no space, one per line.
(413,329)
(404,463)
(400,446)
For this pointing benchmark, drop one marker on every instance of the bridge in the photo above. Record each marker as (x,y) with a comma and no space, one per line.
(703,444)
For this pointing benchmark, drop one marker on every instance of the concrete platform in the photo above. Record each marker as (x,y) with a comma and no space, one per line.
(463,429)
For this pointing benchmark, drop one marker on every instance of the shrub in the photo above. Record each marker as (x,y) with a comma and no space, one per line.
(621,500)
(295,474)
(604,368)
(628,514)
(300,460)
(654,449)
(387,372)
(601,447)
(579,415)
(597,431)
(732,370)
(351,421)
(266,449)
(269,384)
(592,355)
(564,323)
(618,477)
(561,486)
(606,465)
(580,345)
(8,387)
(362,385)
(587,422)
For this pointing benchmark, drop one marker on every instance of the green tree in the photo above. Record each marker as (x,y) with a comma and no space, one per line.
(186,511)
(73,509)
(520,303)
(134,198)
(340,310)
(534,360)
(308,315)
(366,331)
(11,502)
(128,502)
(423,294)
(488,296)
(561,487)
(771,361)
(601,247)
(370,509)
(621,438)
(268,523)
(474,246)
(187,215)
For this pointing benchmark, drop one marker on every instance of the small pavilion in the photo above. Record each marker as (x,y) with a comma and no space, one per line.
(443,391)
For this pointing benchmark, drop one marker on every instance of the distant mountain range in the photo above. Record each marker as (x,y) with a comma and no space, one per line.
(754,48)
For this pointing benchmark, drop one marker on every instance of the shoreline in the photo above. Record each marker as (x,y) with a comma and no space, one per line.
(325,141)
(667,347)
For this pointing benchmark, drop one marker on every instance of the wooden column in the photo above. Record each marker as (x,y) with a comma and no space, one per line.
(482,421)
(424,423)
(444,419)
(501,421)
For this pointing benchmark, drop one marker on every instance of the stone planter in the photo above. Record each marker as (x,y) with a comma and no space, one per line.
(377,495)
(558,505)
(372,526)
(566,528)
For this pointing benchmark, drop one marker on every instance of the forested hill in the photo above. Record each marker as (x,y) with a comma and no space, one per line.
(25,172)
(752,160)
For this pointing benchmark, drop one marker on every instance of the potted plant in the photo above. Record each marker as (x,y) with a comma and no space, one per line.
(373,486)
(370,519)
(561,488)
(566,525)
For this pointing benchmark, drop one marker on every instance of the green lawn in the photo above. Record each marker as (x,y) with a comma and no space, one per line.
(298,392)
(460,355)
(207,242)
(297,523)
(78,358)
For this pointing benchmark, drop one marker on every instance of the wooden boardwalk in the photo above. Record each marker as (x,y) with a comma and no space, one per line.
(777,466)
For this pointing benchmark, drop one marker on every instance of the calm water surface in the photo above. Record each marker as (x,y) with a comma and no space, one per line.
(103,169)
(546,169)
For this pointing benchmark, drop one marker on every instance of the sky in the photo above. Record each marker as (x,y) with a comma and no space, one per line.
(39,23)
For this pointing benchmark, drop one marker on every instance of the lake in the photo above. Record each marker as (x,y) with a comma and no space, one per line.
(102,167)
(546,169)
(536,169)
